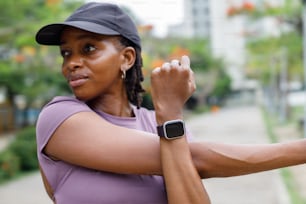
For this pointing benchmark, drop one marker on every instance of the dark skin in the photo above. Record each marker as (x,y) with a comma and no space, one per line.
(81,65)
(93,65)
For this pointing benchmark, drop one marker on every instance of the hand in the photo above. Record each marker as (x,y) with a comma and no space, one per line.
(172,84)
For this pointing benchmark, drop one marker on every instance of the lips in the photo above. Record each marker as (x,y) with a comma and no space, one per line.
(76,80)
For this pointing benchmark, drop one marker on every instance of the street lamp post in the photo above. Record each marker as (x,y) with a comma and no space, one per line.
(304,58)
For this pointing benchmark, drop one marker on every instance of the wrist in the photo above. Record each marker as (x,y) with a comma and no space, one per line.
(164,116)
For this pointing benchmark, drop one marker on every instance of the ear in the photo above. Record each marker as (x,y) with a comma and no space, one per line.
(128,56)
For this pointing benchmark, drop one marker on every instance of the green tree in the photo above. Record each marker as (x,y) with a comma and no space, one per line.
(265,51)
(27,68)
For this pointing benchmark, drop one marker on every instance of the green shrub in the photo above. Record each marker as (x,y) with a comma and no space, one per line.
(24,147)
(27,134)
(9,165)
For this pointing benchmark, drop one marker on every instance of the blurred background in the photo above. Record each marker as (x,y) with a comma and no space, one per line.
(244,53)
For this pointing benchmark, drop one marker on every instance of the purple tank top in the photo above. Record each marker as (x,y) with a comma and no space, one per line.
(77,185)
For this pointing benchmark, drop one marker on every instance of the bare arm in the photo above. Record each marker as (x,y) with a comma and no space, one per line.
(139,152)
(104,146)
(224,160)
(172,84)
(183,183)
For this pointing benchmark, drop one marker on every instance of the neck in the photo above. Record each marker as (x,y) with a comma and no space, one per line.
(113,106)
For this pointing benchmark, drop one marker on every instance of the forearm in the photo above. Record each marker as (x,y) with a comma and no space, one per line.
(183,182)
(224,160)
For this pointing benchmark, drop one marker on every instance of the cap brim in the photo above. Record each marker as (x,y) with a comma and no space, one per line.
(51,34)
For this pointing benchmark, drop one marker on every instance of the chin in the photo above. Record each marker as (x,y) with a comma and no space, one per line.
(82,97)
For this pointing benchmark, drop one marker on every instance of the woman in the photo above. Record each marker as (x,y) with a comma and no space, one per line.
(102,147)
(84,157)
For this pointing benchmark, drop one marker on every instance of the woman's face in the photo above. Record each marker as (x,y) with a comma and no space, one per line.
(91,63)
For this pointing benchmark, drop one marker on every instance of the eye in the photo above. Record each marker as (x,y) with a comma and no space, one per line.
(65,53)
(89,48)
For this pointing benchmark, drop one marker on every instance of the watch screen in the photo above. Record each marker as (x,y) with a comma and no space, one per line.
(175,129)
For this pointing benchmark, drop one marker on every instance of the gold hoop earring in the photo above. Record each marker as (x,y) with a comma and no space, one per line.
(123,74)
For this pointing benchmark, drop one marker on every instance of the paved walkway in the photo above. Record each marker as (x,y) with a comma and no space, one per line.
(237,125)
(26,190)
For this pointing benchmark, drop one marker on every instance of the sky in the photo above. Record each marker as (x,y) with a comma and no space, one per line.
(159,13)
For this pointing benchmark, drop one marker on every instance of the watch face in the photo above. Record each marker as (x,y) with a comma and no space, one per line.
(175,129)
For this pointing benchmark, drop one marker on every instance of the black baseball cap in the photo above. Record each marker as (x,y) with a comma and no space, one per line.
(100,18)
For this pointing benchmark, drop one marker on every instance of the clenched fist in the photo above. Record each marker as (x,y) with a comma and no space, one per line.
(172,84)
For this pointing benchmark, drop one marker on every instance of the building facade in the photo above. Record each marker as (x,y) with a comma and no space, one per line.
(227,34)
(196,21)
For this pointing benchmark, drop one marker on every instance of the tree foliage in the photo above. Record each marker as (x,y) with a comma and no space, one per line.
(25,65)
(269,52)
(275,51)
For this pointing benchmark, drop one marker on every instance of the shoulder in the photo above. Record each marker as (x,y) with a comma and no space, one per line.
(145,114)
(144,111)
(65,100)
(146,119)
(66,103)
(55,112)
(62,106)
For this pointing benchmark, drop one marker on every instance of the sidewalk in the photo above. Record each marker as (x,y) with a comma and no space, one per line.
(239,125)
(235,125)
(26,190)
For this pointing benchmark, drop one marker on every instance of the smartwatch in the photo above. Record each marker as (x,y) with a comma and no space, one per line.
(171,129)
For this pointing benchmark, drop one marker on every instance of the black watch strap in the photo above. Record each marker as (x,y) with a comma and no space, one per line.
(160,131)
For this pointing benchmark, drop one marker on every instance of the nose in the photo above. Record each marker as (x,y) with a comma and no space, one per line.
(74,62)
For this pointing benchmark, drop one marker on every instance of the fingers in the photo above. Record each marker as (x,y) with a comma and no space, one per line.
(166,66)
(175,63)
(185,62)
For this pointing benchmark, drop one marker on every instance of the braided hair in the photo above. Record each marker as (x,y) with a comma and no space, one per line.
(134,76)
